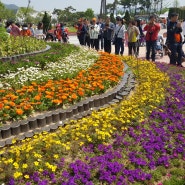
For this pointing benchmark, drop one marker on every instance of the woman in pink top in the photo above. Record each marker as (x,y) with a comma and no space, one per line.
(15,31)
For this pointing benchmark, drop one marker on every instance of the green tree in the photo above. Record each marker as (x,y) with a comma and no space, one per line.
(127,16)
(46,22)
(5,13)
(25,14)
(125,3)
(89,13)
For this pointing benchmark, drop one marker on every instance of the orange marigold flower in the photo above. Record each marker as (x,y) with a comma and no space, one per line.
(57,101)
(49,97)
(2,90)
(19,111)
(38,97)
(11,103)
(74,96)
(27,107)
(7,107)
(64,97)
(1,105)
(81,93)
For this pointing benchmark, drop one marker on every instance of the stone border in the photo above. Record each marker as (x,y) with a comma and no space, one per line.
(51,120)
(20,56)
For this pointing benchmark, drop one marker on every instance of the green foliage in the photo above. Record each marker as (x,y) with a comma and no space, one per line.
(19,45)
(56,52)
(127,16)
(156,175)
(180,11)
(5,13)
(46,22)
(89,13)
(178,172)
(176,162)
(3,34)
(25,14)
(174,181)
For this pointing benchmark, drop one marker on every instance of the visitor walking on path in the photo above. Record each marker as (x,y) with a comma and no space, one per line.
(133,33)
(101,24)
(81,31)
(119,36)
(108,34)
(152,29)
(93,33)
(87,36)
(174,40)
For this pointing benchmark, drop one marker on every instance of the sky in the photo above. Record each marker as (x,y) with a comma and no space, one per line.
(79,5)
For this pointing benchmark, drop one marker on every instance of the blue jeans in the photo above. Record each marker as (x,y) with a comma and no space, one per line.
(119,46)
(176,53)
(150,47)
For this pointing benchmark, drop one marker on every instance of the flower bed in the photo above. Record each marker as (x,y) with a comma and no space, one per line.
(127,143)
(61,83)
(20,45)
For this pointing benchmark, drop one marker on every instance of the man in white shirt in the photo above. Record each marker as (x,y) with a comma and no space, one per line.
(93,33)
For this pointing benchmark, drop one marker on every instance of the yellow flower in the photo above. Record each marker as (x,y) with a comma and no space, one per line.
(56,156)
(16,175)
(26,176)
(36,163)
(16,165)
(24,166)
(10,160)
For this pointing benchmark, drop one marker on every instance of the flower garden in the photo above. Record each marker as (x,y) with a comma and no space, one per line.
(139,141)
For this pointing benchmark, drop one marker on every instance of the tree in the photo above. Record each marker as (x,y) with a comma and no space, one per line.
(5,13)
(46,22)
(65,15)
(127,16)
(89,13)
(176,4)
(25,14)
(125,4)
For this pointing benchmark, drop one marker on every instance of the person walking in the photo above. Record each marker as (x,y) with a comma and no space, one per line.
(133,33)
(81,31)
(174,40)
(119,36)
(15,31)
(152,29)
(87,36)
(108,31)
(100,35)
(93,33)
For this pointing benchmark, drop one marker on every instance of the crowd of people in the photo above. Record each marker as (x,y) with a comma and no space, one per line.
(60,32)
(100,35)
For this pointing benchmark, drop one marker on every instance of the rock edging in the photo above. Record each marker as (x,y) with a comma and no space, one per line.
(51,120)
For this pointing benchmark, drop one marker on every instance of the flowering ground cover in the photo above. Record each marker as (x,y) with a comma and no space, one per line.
(139,141)
(10,45)
(61,82)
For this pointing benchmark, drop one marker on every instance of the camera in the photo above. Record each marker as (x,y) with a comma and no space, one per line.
(92,27)
(150,32)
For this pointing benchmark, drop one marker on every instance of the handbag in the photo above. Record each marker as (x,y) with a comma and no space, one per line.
(116,36)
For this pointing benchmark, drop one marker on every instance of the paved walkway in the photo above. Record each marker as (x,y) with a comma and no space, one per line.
(142,50)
